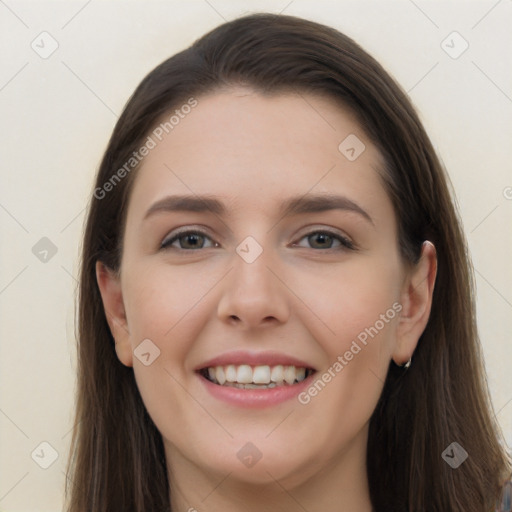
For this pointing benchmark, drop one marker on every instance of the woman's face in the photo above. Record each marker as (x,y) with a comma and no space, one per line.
(293,261)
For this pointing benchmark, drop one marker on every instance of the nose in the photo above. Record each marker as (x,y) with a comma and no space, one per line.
(253,294)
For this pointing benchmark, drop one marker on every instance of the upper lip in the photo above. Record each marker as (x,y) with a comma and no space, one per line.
(254,359)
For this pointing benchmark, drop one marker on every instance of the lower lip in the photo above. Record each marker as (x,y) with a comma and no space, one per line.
(255,398)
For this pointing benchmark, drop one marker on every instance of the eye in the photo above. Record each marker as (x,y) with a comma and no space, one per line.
(195,239)
(324,239)
(188,240)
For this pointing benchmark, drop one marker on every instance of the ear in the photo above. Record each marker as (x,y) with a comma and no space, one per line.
(416,302)
(109,284)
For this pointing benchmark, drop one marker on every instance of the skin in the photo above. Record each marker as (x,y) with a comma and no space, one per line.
(298,297)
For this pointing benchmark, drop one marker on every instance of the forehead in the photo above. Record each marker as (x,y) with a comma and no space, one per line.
(255,150)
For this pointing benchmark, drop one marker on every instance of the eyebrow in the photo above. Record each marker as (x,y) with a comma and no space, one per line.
(292,206)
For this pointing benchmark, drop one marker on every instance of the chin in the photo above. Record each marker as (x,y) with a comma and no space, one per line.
(260,463)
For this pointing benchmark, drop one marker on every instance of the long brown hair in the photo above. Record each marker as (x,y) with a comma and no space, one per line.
(117,462)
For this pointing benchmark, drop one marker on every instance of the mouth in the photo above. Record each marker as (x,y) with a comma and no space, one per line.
(245,376)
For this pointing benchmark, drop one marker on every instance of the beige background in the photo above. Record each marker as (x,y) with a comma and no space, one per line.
(58,112)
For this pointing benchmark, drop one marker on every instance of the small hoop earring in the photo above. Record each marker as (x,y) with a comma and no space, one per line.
(406,365)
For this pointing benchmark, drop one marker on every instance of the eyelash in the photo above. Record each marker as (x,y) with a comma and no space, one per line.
(346,244)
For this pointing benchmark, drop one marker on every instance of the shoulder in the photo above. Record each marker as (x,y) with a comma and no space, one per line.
(504,503)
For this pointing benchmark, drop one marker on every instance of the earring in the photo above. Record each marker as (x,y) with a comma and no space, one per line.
(406,365)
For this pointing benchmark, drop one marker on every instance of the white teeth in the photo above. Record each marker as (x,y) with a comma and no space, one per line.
(219,375)
(277,374)
(258,377)
(289,374)
(261,375)
(231,373)
(244,374)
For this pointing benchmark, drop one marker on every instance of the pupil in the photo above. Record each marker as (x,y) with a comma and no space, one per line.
(194,239)
(321,237)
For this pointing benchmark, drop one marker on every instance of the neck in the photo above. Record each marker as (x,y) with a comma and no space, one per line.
(340,485)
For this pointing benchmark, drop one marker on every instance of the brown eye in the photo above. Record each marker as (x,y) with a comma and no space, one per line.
(188,240)
(325,239)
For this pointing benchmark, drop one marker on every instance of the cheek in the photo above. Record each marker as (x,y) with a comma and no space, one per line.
(168,305)
(360,306)
(342,398)
(161,298)
(347,301)
(164,304)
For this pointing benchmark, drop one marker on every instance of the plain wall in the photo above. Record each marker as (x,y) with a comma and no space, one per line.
(57,114)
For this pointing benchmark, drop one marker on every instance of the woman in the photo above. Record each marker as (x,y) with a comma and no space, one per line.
(229,362)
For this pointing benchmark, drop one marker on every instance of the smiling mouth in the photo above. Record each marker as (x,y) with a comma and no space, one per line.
(245,376)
